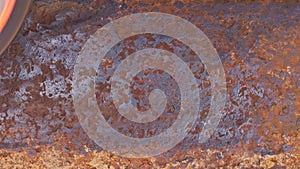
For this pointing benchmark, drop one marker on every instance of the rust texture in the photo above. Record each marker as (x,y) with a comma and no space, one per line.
(259,46)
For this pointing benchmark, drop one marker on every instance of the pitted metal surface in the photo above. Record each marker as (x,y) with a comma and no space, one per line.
(259,47)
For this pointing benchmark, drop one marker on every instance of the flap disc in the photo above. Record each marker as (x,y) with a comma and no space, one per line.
(12,14)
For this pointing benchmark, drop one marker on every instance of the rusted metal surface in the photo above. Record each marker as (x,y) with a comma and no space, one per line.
(259,46)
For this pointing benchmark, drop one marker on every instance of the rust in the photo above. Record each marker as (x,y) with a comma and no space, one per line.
(259,46)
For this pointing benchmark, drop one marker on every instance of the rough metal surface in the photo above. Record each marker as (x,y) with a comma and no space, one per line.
(259,46)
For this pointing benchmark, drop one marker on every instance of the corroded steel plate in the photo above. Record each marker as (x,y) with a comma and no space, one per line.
(258,46)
